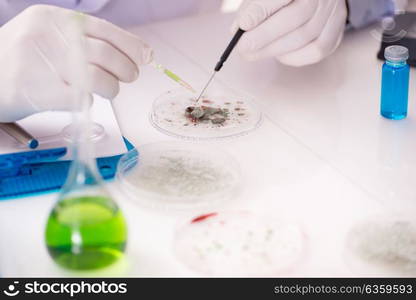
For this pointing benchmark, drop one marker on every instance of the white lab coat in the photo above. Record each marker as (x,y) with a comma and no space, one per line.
(121,12)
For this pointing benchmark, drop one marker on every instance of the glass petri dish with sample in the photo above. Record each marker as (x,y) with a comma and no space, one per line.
(382,245)
(97,132)
(216,115)
(239,244)
(178,175)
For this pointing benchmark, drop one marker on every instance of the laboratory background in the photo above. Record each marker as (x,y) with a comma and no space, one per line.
(189,138)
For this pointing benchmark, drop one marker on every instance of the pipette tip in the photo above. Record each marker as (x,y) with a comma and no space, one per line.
(206,86)
(173,76)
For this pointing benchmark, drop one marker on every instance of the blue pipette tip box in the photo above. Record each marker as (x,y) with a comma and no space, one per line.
(33,172)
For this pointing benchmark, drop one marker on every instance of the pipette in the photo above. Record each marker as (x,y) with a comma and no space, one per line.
(223,58)
(172,76)
(20,134)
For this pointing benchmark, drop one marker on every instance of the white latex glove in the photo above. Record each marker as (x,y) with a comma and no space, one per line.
(35,73)
(295,32)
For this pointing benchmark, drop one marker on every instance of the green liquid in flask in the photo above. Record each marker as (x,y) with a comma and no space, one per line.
(86,233)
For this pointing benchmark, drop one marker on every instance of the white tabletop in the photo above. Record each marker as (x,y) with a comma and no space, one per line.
(323,156)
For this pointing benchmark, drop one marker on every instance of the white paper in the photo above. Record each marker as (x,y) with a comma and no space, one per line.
(47,127)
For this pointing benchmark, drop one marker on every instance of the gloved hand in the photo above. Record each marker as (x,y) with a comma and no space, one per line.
(295,32)
(35,73)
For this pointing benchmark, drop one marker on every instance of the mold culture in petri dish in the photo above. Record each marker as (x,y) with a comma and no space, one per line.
(218,114)
(382,245)
(178,175)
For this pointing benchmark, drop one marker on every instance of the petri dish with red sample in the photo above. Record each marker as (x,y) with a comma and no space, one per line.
(214,116)
(239,244)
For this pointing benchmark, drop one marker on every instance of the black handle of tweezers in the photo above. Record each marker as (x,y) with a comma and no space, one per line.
(229,49)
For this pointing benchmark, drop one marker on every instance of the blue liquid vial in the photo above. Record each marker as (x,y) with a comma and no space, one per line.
(395,83)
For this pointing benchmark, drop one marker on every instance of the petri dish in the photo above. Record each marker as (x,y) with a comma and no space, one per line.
(239,244)
(235,115)
(382,245)
(97,132)
(178,175)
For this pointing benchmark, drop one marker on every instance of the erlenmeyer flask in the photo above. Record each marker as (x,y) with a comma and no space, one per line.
(86,229)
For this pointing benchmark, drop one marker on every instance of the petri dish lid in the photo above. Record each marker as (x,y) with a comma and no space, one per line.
(382,245)
(239,244)
(97,132)
(178,175)
(168,115)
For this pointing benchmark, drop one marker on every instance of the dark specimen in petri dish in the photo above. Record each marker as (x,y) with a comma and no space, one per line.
(214,115)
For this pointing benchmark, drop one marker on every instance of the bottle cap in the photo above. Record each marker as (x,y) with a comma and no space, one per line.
(396,53)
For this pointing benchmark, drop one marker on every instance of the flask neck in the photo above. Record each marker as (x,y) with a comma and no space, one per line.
(83,170)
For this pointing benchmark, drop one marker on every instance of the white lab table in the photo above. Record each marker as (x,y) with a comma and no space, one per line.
(323,156)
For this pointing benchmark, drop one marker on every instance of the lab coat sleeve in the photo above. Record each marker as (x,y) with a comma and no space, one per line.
(120,12)
(10,8)
(90,6)
(366,12)
(129,13)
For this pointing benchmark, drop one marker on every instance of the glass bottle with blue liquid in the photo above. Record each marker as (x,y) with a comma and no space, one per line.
(395,83)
